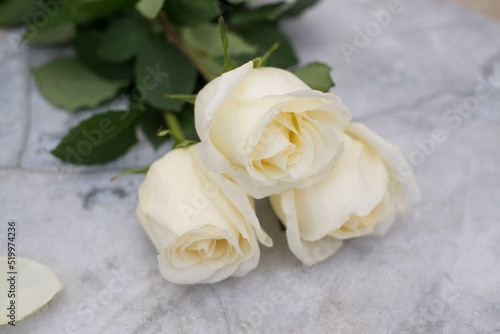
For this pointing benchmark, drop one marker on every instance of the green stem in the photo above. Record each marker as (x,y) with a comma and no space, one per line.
(173,38)
(140,170)
(174,126)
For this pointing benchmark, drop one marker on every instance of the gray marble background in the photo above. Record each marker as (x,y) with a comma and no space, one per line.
(436,271)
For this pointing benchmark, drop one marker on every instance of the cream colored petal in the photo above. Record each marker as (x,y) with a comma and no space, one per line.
(327,108)
(232,129)
(181,206)
(259,184)
(307,147)
(323,147)
(159,235)
(239,198)
(212,159)
(355,186)
(405,192)
(203,225)
(36,285)
(389,213)
(309,252)
(266,81)
(275,141)
(256,115)
(361,195)
(211,98)
(213,271)
(225,132)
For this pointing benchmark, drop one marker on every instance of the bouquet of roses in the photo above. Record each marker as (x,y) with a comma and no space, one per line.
(264,132)
(246,124)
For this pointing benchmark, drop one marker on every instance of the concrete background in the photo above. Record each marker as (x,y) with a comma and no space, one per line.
(436,271)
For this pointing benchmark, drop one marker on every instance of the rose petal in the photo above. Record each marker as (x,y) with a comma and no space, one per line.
(306,251)
(355,186)
(271,81)
(211,98)
(406,193)
(36,285)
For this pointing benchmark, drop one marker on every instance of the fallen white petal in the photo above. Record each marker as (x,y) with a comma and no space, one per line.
(36,284)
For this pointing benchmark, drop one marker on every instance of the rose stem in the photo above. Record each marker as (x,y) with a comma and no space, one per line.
(173,38)
(174,126)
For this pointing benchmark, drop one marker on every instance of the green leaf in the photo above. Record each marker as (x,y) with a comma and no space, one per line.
(191,12)
(99,139)
(140,170)
(298,7)
(229,64)
(264,36)
(244,17)
(55,14)
(122,40)
(182,97)
(67,83)
(60,35)
(316,76)
(149,8)
(162,69)
(103,7)
(86,46)
(150,122)
(206,38)
(162,133)
(16,12)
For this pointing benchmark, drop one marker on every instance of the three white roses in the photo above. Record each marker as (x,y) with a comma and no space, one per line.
(266,133)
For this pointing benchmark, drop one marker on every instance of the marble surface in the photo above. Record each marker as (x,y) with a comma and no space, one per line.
(436,271)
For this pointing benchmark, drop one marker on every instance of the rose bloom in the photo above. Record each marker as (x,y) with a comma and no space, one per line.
(203,225)
(362,195)
(268,130)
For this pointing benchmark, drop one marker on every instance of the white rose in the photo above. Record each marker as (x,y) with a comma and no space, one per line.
(203,225)
(33,287)
(369,185)
(268,130)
